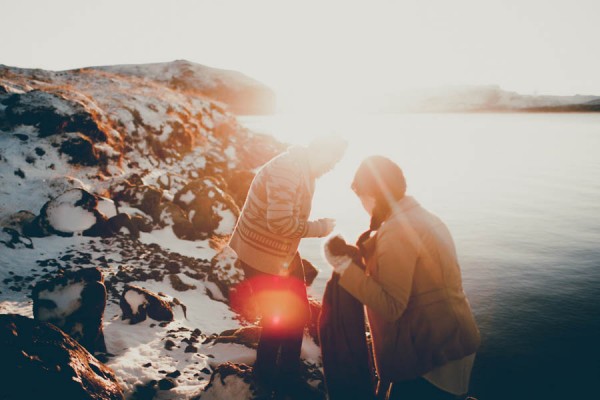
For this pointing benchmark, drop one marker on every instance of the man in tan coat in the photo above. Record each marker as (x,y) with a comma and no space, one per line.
(424,334)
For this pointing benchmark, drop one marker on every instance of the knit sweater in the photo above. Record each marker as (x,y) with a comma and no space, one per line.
(275,215)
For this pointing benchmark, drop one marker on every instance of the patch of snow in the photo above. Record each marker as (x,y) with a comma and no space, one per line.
(67,299)
(64,216)
(188,197)
(107,207)
(227,223)
(230,152)
(135,300)
(310,351)
(168,240)
(214,291)
(236,353)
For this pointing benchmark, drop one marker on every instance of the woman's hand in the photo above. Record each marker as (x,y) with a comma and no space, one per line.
(339,263)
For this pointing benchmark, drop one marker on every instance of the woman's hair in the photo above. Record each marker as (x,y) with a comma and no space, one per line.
(381,178)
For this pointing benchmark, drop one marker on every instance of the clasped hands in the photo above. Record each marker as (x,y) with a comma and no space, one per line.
(338,262)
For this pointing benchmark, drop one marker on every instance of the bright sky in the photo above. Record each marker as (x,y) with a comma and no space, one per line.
(323,50)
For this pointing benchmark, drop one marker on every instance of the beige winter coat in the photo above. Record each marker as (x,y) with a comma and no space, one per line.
(418,313)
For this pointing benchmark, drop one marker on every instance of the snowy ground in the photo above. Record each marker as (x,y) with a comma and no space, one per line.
(138,353)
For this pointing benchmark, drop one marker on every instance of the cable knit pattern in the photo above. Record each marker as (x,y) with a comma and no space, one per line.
(275,215)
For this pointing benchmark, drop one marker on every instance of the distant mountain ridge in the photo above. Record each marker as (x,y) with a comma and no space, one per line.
(243,95)
(239,93)
(486,99)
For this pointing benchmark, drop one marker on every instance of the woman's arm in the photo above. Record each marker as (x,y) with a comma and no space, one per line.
(396,259)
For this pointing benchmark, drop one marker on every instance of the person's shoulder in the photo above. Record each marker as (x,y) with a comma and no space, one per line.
(291,159)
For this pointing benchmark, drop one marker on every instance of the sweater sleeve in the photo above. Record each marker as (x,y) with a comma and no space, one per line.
(282,186)
(389,294)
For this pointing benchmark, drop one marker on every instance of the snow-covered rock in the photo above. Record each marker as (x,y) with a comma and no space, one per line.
(138,303)
(89,160)
(210,209)
(13,239)
(225,268)
(74,302)
(74,211)
(40,362)
(231,381)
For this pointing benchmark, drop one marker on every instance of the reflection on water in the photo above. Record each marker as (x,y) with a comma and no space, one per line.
(521,195)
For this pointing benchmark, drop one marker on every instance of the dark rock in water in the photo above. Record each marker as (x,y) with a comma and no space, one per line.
(81,150)
(12,239)
(138,303)
(210,209)
(40,362)
(247,336)
(51,114)
(74,302)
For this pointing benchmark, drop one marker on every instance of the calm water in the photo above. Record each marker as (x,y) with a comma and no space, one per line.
(521,195)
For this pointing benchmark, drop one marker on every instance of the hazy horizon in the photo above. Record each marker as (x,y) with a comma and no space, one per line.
(298,49)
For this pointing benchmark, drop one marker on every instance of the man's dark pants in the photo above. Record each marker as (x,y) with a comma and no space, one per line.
(278,354)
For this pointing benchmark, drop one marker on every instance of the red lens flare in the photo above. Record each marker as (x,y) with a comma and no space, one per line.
(278,301)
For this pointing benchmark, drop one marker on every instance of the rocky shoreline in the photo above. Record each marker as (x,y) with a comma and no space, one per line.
(118,191)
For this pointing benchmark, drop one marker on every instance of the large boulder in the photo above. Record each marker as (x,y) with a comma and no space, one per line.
(74,302)
(211,210)
(74,211)
(39,361)
(138,303)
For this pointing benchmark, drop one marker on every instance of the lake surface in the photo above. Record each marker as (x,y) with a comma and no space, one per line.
(521,196)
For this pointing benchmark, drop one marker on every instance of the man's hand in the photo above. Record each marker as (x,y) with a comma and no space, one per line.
(327,225)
